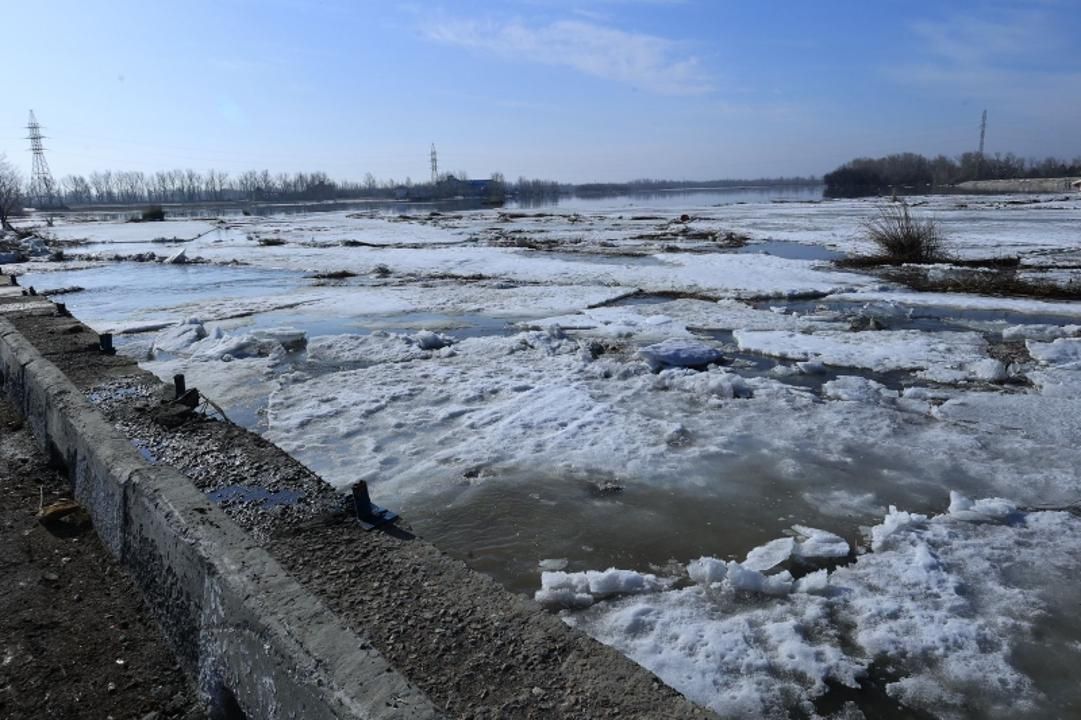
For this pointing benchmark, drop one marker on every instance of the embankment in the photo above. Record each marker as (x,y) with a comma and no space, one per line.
(288,609)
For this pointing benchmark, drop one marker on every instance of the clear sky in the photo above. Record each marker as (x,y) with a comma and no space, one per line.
(565,89)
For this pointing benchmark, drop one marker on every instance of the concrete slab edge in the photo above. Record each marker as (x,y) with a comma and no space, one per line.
(251,635)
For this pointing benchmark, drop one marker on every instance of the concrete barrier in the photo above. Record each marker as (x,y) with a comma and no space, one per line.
(256,641)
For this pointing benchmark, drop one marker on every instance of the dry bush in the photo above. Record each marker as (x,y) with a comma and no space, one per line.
(902,238)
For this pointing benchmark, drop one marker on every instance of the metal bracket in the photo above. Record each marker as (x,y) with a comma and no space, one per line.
(368,514)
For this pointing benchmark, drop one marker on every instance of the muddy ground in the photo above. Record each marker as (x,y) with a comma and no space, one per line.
(75,638)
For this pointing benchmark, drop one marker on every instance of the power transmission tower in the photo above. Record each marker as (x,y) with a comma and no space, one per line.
(42,187)
(983,131)
(435,167)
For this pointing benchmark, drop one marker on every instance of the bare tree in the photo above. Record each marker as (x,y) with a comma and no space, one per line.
(11,192)
(216,182)
(76,189)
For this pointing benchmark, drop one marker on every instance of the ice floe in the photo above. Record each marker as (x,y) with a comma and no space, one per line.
(935,604)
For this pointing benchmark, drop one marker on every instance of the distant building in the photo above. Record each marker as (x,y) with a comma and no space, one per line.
(1076,184)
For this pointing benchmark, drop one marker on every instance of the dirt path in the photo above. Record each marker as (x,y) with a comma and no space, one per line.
(75,640)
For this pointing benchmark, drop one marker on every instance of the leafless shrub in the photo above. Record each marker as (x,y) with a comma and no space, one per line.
(902,238)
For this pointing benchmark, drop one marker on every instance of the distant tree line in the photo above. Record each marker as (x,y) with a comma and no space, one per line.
(190,186)
(187,186)
(909,171)
(646,185)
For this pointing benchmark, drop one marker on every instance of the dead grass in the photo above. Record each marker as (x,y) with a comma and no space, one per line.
(999,283)
(334,275)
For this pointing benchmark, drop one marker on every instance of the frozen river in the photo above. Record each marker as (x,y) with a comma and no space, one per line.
(607,384)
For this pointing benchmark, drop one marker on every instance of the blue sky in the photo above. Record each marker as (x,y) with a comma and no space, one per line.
(576,91)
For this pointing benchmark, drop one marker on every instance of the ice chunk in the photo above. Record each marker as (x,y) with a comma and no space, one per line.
(676,352)
(811,367)
(895,521)
(1061,351)
(857,389)
(982,510)
(179,337)
(988,369)
(1044,333)
(614,581)
(428,340)
(815,543)
(581,589)
(922,393)
(997,508)
(563,589)
(561,597)
(1061,382)
(178,258)
(959,503)
(707,570)
(768,556)
(219,346)
(288,337)
(552,564)
(816,583)
(746,579)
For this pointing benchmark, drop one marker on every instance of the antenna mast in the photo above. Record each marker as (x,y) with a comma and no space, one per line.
(435,167)
(42,187)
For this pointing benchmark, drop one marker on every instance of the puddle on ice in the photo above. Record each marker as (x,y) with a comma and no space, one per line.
(790,250)
(504,523)
(595,258)
(131,290)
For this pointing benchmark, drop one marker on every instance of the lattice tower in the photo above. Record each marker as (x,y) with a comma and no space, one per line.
(42,187)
